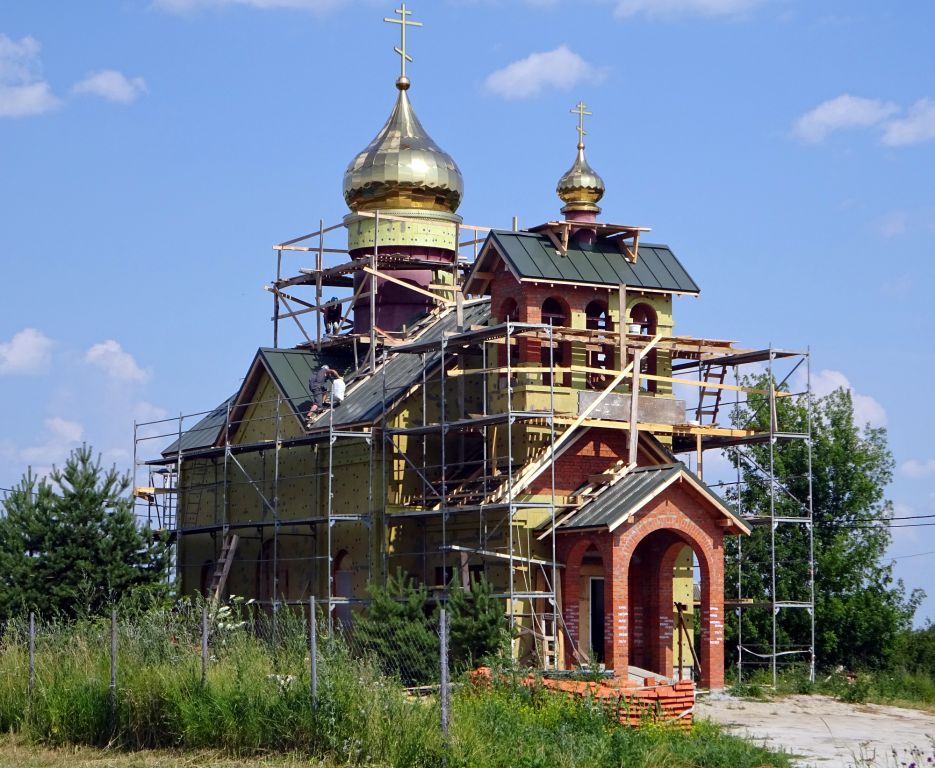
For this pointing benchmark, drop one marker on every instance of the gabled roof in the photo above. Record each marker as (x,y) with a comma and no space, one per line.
(532,257)
(641,485)
(364,400)
(205,433)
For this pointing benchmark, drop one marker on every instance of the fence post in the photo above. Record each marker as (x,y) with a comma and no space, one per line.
(443,654)
(113,666)
(313,650)
(32,654)
(204,646)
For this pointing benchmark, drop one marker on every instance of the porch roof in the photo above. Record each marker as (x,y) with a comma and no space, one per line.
(620,502)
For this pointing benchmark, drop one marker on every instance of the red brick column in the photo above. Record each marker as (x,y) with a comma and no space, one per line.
(616,608)
(712,617)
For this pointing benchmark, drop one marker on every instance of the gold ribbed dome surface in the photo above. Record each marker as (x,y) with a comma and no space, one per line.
(581,184)
(403,167)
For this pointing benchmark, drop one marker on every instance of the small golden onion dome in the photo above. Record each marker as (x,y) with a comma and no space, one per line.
(403,167)
(581,188)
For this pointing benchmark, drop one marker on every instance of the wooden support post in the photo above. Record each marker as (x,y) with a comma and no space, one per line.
(634,409)
(700,458)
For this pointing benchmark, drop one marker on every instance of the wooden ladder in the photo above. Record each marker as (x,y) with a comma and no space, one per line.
(223,567)
(709,398)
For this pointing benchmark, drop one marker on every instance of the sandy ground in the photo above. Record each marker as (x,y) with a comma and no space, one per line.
(825,732)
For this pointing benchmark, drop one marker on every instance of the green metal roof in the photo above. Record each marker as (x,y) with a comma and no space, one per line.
(532,256)
(291,369)
(634,491)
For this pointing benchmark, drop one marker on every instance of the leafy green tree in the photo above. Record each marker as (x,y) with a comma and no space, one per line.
(476,624)
(859,609)
(398,630)
(70,545)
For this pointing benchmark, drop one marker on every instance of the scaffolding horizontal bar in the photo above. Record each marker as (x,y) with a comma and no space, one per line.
(184,531)
(503,556)
(740,358)
(766,519)
(476,422)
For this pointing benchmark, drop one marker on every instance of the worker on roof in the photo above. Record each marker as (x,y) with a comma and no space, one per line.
(318,387)
(333,317)
(337,388)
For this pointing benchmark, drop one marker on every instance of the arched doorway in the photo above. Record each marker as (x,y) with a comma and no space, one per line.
(661,574)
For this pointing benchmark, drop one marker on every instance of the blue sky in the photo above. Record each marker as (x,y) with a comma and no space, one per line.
(153,150)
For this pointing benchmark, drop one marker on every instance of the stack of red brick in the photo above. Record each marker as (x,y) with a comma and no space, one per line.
(629,702)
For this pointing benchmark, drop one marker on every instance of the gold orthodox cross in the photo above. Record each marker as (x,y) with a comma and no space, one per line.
(403,23)
(581,110)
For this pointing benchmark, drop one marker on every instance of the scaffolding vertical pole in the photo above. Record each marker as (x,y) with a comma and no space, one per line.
(385,472)
(374,282)
(319,265)
(179,520)
(509,468)
(485,469)
(772,506)
(739,499)
(811,513)
(553,587)
(276,298)
(274,581)
(444,473)
(329,523)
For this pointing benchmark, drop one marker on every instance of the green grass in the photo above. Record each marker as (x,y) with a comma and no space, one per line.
(255,705)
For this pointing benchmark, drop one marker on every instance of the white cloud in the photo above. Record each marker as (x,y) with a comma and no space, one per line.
(560,69)
(190,6)
(23,92)
(672,8)
(110,357)
(70,431)
(918,468)
(111,85)
(866,409)
(844,111)
(894,224)
(29,351)
(917,127)
(61,436)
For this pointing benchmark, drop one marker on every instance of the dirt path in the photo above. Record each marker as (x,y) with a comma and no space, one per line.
(825,732)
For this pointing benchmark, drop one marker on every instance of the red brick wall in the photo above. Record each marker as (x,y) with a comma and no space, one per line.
(677,517)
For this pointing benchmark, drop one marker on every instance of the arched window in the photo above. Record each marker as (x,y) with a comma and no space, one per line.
(509,310)
(643,321)
(600,350)
(596,316)
(554,313)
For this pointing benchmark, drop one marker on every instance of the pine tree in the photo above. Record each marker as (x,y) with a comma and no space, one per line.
(70,544)
(477,627)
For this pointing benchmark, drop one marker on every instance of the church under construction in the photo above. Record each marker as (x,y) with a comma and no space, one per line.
(515,409)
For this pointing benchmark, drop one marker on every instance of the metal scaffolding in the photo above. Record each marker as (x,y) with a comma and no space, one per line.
(799,515)
(457,490)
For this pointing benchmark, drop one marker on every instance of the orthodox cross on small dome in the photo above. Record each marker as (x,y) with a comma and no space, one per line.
(581,110)
(403,22)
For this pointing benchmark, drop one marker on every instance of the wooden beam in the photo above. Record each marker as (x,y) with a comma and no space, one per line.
(404,284)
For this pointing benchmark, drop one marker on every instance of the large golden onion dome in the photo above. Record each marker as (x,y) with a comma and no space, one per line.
(580,188)
(403,167)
